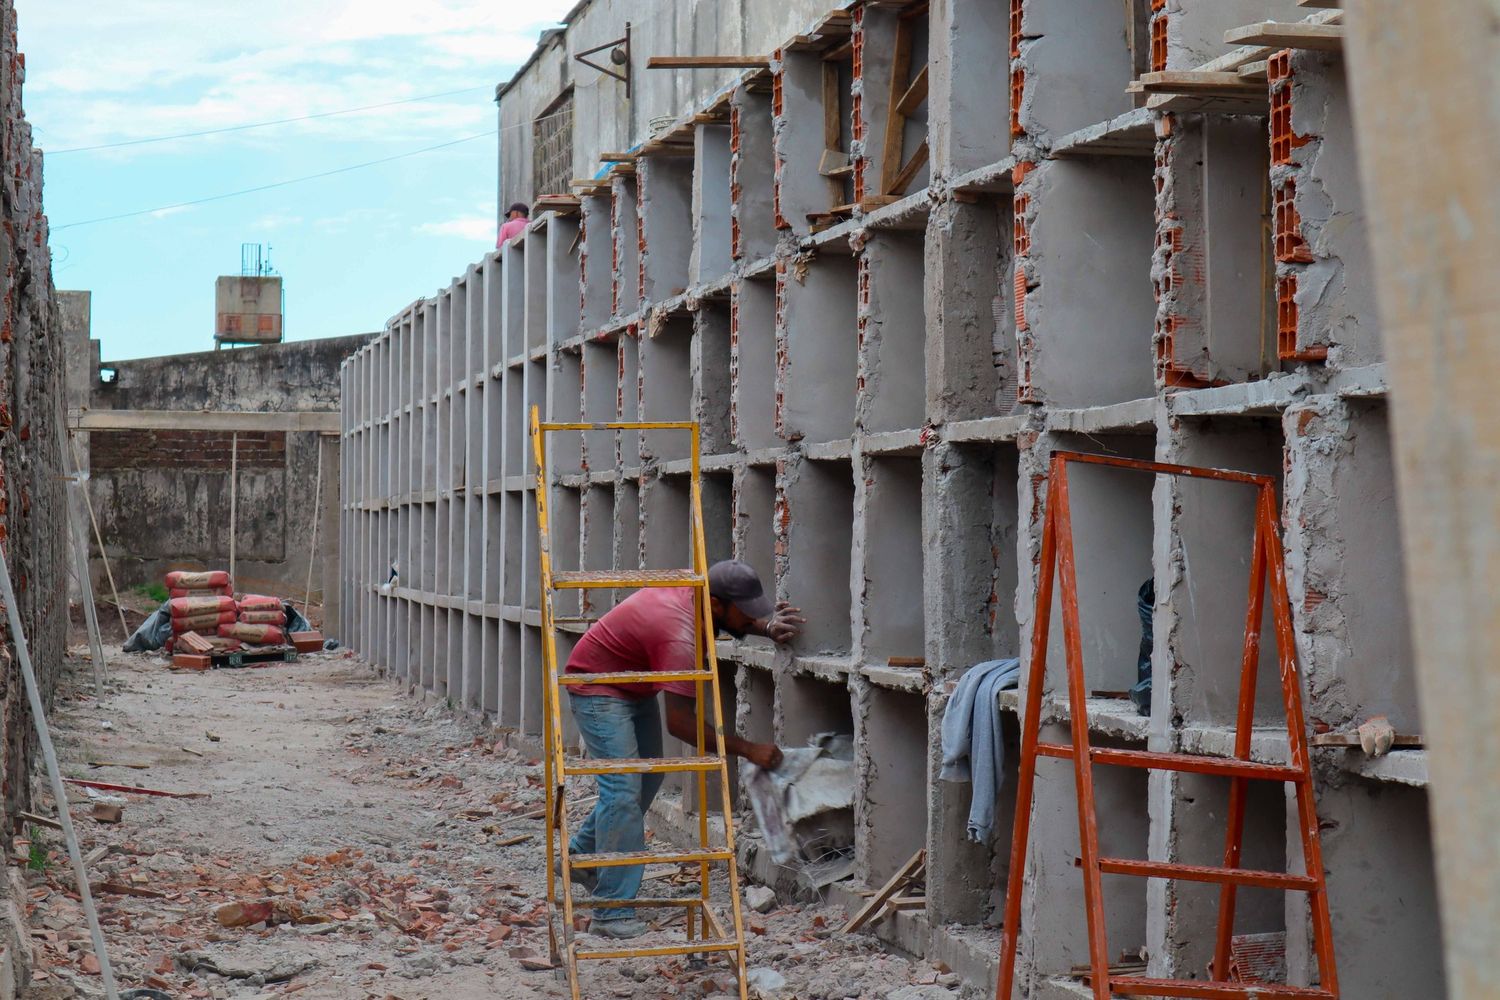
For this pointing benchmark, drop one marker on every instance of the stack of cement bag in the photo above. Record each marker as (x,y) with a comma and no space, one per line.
(204,615)
(261,622)
(209,583)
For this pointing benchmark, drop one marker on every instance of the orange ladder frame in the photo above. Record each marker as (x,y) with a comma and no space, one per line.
(1266,567)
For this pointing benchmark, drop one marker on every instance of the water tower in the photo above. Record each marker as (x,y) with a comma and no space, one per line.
(248,306)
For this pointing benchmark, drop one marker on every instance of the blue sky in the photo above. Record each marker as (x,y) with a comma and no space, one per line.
(353,248)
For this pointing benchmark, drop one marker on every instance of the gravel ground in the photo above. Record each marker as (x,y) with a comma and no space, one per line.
(383,850)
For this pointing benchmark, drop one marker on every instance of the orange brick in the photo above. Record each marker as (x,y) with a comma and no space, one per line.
(1017,89)
(1290,246)
(1016,10)
(1022,231)
(1159,41)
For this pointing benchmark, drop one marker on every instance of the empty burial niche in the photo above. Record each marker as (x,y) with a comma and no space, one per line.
(755,521)
(753,364)
(712,386)
(1112,543)
(536,396)
(565,448)
(1403,853)
(562,279)
(1199,805)
(515,448)
(627,250)
(566,530)
(601,361)
(814,530)
(894,57)
(1356,559)
(981,577)
(711,208)
(1079,56)
(666,522)
(892,604)
(494,533)
(755,704)
(513,306)
(667,386)
(718,515)
(892,332)
(628,526)
(598,550)
(750,174)
(514,502)
(1092,327)
(981,91)
(813,135)
(628,398)
(1056,909)
(810,706)
(666,206)
(597,259)
(536,289)
(893,806)
(821,337)
(1219,287)
(1214,526)
(492,666)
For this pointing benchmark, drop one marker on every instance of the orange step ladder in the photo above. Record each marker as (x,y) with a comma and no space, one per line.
(1266,569)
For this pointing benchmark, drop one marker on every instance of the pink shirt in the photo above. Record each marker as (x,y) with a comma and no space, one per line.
(652,629)
(511,228)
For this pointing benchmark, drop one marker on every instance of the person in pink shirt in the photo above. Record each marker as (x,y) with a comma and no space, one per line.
(516,218)
(654,630)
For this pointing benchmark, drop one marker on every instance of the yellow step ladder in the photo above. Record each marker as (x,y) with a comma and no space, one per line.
(704,932)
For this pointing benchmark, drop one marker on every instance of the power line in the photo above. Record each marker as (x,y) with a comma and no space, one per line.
(265,124)
(274,184)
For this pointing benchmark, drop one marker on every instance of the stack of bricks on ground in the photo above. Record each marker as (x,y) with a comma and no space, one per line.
(890,273)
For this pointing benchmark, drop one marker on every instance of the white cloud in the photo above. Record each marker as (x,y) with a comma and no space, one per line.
(479,228)
(107,73)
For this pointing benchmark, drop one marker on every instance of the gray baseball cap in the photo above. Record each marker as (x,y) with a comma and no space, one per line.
(739,584)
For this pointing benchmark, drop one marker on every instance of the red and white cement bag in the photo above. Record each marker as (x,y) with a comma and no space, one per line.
(258,635)
(205,592)
(257,617)
(259,602)
(208,623)
(182,579)
(191,607)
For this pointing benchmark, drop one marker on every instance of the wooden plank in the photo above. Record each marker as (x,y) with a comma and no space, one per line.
(895,121)
(1236,58)
(708,62)
(1258,71)
(1324,4)
(832,128)
(1205,104)
(909,171)
(915,94)
(888,891)
(203,420)
(1197,82)
(1402,740)
(1300,35)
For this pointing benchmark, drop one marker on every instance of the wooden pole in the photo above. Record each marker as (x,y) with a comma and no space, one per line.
(312,551)
(1423,79)
(234,483)
(54,778)
(83,488)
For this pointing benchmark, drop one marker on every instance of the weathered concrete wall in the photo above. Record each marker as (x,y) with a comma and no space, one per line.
(603,118)
(163,497)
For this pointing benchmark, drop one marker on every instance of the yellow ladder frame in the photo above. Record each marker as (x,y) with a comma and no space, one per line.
(556,768)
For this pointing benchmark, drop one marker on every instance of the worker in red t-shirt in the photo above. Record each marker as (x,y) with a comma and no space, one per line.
(654,629)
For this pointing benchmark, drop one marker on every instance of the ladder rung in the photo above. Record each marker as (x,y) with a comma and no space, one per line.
(621,425)
(609,579)
(1207,873)
(686,948)
(1223,766)
(1143,986)
(643,677)
(610,860)
(647,904)
(643,765)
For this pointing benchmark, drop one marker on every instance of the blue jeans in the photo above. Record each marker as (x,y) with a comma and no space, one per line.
(617,727)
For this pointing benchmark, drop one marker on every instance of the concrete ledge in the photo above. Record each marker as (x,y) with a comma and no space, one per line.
(987,429)
(1268,396)
(1402,767)
(1135,415)
(1130,134)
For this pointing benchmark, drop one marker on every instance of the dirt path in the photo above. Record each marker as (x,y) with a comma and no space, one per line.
(335,797)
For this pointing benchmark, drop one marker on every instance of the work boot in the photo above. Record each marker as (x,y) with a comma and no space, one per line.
(585,877)
(630,927)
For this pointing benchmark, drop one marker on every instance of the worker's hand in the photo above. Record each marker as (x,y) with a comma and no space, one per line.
(766,756)
(785,623)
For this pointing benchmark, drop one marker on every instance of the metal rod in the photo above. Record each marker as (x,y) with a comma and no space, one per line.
(88,503)
(312,552)
(234,482)
(54,777)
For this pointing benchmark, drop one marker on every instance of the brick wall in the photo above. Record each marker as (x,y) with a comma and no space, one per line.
(32,504)
(208,451)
